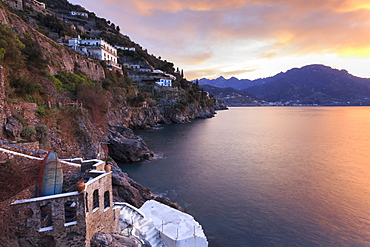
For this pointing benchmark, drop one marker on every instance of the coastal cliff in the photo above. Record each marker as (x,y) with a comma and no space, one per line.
(73,103)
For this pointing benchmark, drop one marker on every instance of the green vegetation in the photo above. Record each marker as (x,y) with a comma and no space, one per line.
(42,132)
(10,46)
(24,86)
(28,133)
(50,23)
(70,81)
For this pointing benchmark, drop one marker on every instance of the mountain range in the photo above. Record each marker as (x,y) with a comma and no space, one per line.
(312,84)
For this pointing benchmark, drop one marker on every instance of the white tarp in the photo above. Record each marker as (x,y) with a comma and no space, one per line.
(176,228)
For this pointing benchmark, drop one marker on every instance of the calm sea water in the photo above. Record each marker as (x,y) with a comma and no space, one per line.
(268,176)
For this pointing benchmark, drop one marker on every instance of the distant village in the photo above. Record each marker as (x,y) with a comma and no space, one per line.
(101,50)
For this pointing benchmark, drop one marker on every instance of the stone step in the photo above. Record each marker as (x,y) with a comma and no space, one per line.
(152,233)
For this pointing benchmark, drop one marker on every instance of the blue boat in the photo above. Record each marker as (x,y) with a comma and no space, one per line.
(51,176)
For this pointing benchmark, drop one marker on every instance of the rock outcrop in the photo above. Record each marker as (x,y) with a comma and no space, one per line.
(127,190)
(127,149)
(101,239)
(13,128)
(220,105)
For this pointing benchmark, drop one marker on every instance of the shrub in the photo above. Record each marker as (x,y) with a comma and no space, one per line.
(25,86)
(19,118)
(72,82)
(56,82)
(2,53)
(33,54)
(42,132)
(10,47)
(29,133)
(42,111)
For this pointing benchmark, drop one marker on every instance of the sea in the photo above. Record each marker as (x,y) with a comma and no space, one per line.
(267,176)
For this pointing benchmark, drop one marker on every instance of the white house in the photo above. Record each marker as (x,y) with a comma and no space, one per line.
(157,71)
(95,48)
(76,13)
(40,4)
(145,70)
(171,76)
(164,82)
(125,48)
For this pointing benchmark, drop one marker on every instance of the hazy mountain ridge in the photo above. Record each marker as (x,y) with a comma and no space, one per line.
(311,84)
(232,97)
(233,82)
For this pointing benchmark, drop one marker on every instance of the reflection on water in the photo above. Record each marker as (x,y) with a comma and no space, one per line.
(289,176)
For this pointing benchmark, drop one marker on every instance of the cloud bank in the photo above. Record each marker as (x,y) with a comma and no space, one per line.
(239,35)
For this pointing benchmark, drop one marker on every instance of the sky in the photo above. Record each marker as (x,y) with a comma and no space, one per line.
(247,39)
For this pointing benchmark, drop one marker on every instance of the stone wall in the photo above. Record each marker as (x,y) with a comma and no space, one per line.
(69,169)
(23,148)
(88,220)
(6,155)
(42,221)
(93,211)
(100,218)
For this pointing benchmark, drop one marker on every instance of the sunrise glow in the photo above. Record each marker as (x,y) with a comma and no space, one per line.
(246,39)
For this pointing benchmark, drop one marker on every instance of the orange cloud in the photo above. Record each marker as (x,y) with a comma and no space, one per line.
(204,31)
(147,6)
(215,72)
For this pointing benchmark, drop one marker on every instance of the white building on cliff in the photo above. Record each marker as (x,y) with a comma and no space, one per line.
(97,49)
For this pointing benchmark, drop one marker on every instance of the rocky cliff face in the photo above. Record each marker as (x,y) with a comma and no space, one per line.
(62,59)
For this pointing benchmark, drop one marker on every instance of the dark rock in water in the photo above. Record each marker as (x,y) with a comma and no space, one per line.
(101,239)
(13,128)
(148,156)
(127,150)
(124,131)
(127,190)
(220,105)
(168,202)
(203,114)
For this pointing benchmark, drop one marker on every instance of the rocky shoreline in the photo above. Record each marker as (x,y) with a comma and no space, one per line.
(124,146)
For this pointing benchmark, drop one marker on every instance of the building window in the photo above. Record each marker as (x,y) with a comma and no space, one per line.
(45,219)
(106,200)
(96,199)
(70,212)
(87,202)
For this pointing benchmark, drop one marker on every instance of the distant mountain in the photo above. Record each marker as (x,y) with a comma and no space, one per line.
(312,84)
(233,82)
(231,96)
